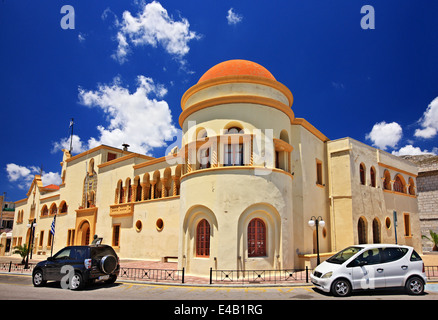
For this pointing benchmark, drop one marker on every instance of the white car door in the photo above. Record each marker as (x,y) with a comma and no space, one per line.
(395,262)
(366,271)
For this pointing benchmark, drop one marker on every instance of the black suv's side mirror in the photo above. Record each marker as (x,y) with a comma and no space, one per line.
(49,258)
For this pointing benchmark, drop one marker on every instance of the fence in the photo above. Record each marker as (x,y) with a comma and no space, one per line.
(152,274)
(216,276)
(431,272)
(16,267)
(259,276)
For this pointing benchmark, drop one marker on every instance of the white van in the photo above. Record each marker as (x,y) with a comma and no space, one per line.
(371,266)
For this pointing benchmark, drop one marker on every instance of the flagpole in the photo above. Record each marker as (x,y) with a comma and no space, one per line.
(52,230)
(71,136)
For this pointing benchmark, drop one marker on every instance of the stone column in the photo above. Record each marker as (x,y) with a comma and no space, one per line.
(175,180)
(153,182)
(163,188)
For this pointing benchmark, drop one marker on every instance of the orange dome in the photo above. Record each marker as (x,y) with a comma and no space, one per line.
(236,68)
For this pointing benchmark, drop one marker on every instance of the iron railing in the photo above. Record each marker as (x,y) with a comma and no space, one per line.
(431,272)
(216,276)
(152,274)
(16,267)
(259,276)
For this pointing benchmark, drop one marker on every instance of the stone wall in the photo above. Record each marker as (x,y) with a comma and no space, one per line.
(427,194)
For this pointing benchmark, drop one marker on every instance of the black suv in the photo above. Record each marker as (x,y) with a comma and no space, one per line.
(75,266)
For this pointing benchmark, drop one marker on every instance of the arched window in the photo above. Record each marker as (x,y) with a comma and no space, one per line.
(411,187)
(362,230)
(53,209)
(138,189)
(399,184)
(373,177)
(63,207)
(387,180)
(233,149)
(203,239)
(234,130)
(128,190)
(376,230)
(362,173)
(91,167)
(44,211)
(256,238)
(120,191)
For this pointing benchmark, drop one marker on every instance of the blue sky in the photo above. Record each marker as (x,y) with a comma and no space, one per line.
(121,72)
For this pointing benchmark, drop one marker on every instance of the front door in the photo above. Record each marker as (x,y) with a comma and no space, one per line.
(366,270)
(54,264)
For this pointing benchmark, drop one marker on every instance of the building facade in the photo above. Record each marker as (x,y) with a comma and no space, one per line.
(238,192)
(427,194)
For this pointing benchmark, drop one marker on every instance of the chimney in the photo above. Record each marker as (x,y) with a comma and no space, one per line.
(125,146)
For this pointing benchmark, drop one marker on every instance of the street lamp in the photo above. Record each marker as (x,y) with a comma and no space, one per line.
(316,222)
(32,226)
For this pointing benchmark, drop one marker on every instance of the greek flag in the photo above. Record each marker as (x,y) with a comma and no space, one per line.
(52,228)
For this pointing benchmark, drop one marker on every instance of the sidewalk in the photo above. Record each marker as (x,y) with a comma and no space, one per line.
(189,280)
(430,259)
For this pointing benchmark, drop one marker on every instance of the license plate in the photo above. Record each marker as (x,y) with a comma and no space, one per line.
(104,277)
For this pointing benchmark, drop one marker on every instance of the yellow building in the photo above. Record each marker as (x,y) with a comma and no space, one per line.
(237,194)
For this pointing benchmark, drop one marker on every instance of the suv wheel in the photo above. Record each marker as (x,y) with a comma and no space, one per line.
(341,288)
(415,286)
(37,279)
(76,282)
(108,264)
(111,279)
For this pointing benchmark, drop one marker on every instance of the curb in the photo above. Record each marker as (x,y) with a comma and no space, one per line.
(200,285)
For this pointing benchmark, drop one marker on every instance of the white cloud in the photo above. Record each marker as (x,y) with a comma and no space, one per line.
(410,150)
(134,118)
(23,176)
(425,133)
(385,135)
(64,143)
(233,18)
(153,26)
(51,178)
(16,172)
(429,121)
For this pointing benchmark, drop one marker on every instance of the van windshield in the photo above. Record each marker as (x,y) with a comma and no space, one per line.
(344,255)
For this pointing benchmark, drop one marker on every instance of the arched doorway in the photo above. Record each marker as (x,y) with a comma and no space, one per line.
(84,233)
(376,230)
(362,230)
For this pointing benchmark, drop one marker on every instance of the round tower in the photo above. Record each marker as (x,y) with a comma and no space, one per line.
(236,193)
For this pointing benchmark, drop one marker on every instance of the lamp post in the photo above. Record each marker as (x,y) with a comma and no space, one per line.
(32,226)
(316,222)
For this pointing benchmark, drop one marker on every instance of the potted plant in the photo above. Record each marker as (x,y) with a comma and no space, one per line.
(22,251)
(433,238)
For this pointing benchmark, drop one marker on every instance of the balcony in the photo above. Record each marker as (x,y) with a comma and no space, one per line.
(122,210)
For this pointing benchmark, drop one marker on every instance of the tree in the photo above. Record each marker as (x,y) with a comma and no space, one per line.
(433,238)
(22,250)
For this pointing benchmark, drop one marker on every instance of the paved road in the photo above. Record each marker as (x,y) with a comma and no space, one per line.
(192,302)
(14,286)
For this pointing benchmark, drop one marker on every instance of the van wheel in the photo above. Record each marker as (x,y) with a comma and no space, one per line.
(341,288)
(415,286)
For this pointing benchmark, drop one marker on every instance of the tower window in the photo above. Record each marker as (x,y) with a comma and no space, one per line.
(256,238)
(203,239)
